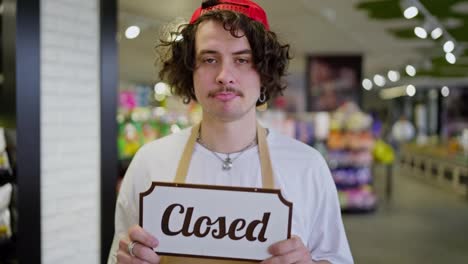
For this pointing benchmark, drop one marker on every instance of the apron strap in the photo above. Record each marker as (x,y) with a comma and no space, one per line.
(264,155)
(184,162)
(265,161)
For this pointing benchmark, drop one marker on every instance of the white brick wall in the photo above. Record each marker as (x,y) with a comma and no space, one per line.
(70,180)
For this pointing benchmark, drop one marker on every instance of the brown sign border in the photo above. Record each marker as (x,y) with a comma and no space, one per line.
(213,187)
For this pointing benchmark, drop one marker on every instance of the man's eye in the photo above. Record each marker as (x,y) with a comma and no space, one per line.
(242,61)
(209,60)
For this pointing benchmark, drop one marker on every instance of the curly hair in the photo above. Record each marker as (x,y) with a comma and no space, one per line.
(270,57)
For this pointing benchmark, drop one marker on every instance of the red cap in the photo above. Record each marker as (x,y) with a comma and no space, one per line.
(246,7)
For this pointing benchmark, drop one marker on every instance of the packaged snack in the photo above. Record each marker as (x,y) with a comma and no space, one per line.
(5,218)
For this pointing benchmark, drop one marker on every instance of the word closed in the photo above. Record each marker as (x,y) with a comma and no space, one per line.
(204,226)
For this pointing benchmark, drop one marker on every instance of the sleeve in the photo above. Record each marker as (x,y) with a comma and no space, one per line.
(327,238)
(126,211)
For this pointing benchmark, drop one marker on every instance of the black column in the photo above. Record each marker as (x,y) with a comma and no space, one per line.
(109,81)
(28,130)
(8,42)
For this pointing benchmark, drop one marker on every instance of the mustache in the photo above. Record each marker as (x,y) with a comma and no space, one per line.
(225,89)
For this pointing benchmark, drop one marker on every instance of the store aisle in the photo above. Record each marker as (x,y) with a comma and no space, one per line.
(421,224)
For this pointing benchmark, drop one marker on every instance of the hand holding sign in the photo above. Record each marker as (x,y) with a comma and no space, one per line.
(288,251)
(142,249)
(215,222)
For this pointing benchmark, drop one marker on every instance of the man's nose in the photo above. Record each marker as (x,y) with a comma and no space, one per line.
(225,75)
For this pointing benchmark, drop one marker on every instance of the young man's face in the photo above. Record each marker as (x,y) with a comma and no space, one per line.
(226,83)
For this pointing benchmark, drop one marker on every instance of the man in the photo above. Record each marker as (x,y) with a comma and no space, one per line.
(229,62)
(402,131)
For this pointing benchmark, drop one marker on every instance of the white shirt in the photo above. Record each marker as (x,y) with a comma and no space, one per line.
(299,171)
(403,131)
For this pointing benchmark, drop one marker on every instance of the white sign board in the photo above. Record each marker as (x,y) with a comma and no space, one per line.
(215,221)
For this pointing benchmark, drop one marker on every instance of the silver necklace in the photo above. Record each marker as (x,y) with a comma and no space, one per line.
(227,162)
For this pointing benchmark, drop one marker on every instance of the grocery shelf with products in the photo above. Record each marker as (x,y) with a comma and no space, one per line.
(145,114)
(349,154)
(8,208)
(345,138)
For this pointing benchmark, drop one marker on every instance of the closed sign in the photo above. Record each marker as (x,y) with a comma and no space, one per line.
(214,221)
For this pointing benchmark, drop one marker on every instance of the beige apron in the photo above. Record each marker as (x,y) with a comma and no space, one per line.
(182,169)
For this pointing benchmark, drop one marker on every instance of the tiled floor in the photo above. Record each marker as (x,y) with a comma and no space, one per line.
(420,224)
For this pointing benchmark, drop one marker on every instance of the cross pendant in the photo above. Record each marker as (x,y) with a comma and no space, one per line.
(227,164)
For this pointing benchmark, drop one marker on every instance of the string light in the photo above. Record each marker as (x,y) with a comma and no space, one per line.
(445,91)
(410,90)
(132,32)
(393,76)
(367,84)
(379,80)
(450,58)
(449,46)
(410,70)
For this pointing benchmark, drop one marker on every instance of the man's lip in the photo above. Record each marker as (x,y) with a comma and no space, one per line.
(225,96)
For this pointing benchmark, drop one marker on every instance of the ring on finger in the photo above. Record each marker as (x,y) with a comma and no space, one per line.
(130,247)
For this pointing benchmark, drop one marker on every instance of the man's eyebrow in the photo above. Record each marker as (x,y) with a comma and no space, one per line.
(240,52)
(202,52)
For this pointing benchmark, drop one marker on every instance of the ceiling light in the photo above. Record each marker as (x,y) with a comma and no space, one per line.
(410,70)
(449,46)
(450,58)
(379,80)
(132,32)
(161,88)
(410,90)
(436,33)
(367,84)
(410,12)
(393,76)
(432,26)
(445,91)
(420,32)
